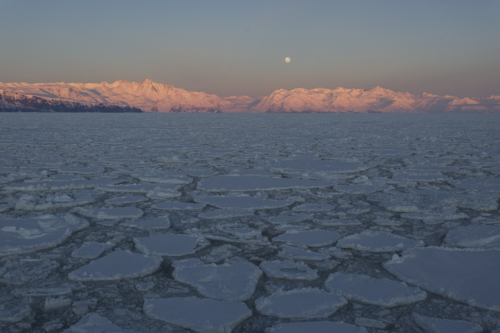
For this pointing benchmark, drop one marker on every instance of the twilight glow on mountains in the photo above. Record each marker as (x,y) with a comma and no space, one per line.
(446,49)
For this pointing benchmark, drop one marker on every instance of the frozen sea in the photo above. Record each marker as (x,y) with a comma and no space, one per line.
(249,223)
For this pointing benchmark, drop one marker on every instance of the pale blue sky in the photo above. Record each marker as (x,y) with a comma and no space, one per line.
(239,47)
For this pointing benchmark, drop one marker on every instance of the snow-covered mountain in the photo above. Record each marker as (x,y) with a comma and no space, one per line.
(145,95)
(374,100)
(157,97)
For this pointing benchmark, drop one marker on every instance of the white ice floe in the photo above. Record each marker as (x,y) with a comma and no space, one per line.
(438,325)
(367,322)
(231,281)
(360,188)
(126,200)
(25,235)
(316,327)
(312,238)
(475,236)
(139,188)
(43,186)
(110,213)
(306,303)
(465,275)
(378,241)
(52,303)
(91,250)
(41,292)
(244,202)
(197,314)
(95,323)
(281,219)
(288,269)
(162,222)
(220,253)
(337,222)
(313,208)
(16,314)
(435,218)
(178,205)
(365,289)
(225,214)
(387,222)
(255,183)
(296,253)
(173,245)
(117,265)
(53,201)
(164,177)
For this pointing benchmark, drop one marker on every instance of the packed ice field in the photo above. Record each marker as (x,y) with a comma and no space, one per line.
(249,223)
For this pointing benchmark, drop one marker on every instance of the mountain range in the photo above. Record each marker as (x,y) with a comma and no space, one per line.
(148,96)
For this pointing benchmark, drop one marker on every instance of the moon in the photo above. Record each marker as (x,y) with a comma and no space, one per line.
(287,59)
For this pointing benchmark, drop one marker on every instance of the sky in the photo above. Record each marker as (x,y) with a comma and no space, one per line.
(232,48)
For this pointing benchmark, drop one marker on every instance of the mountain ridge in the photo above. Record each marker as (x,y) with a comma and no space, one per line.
(150,96)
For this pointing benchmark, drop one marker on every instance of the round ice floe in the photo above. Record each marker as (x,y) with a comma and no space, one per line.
(378,241)
(313,208)
(313,238)
(437,325)
(93,322)
(465,275)
(111,213)
(231,281)
(16,314)
(25,235)
(337,222)
(225,214)
(199,315)
(115,266)
(178,205)
(288,269)
(476,236)
(173,245)
(307,303)
(244,202)
(360,188)
(316,327)
(280,219)
(125,200)
(162,222)
(91,250)
(365,289)
(254,183)
(296,253)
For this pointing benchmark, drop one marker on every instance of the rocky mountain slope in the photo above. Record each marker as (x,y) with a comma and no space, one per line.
(157,97)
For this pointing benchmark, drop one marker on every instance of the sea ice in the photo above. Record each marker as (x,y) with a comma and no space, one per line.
(243,202)
(197,314)
(316,327)
(378,241)
(225,214)
(307,303)
(313,208)
(231,281)
(288,269)
(95,323)
(280,219)
(125,200)
(437,325)
(111,213)
(25,235)
(115,266)
(173,245)
(312,238)
(296,253)
(465,275)
(365,289)
(91,250)
(162,222)
(255,183)
(475,236)
(178,205)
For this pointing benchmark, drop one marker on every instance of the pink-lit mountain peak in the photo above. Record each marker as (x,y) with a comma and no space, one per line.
(158,97)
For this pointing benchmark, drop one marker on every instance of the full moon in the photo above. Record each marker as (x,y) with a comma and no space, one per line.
(287,59)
